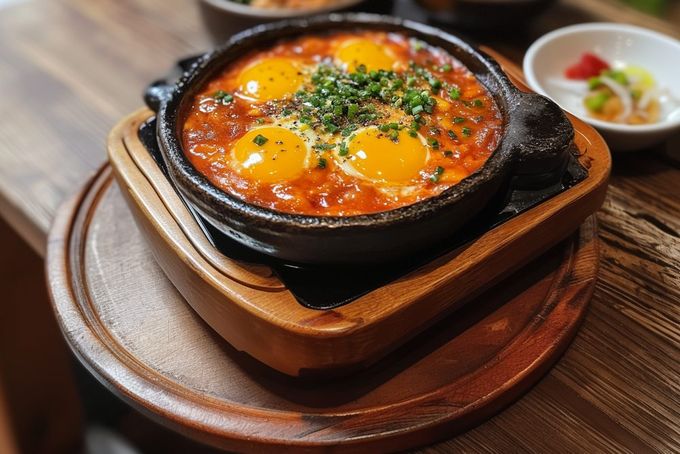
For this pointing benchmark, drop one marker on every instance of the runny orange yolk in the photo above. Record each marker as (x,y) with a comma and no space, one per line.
(357,52)
(270,78)
(270,154)
(377,157)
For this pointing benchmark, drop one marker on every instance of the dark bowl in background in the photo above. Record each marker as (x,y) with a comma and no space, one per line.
(534,150)
(223,18)
(484,15)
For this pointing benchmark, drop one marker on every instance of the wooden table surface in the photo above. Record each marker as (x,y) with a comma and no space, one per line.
(69,69)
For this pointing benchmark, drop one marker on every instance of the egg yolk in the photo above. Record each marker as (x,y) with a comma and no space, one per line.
(378,157)
(364,52)
(271,78)
(270,154)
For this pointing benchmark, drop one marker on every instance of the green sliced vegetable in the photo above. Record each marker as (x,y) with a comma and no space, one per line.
(596,101)
(619,76)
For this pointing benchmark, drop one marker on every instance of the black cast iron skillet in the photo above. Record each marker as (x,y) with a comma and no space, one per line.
(533,151)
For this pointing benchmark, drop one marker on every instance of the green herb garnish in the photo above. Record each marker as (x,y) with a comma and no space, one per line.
(337,101)
(437,174)
(435,83)
(260,140)
(434,143)
(324,146)
(222,97)
(454,93)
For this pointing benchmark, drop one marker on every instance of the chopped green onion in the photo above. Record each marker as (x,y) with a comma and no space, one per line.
(352,111)
(324,146)
(454,93)
(437,174)
(260,140)
(348,130)
(466,131)
(435,83)
(223,97)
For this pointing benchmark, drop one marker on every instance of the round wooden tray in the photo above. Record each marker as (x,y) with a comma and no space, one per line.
(132,329)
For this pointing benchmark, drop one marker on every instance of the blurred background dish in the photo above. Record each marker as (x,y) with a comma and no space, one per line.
(484,14)
(626,48)
(225,17)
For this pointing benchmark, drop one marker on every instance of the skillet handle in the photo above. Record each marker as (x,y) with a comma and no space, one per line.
(160,90)
(544,137)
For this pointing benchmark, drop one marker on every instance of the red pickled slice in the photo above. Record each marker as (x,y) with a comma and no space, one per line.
(589,66)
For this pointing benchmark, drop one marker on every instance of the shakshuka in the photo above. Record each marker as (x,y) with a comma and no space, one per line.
(342,124)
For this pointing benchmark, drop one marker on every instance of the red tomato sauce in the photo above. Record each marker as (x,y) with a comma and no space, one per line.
(460,133)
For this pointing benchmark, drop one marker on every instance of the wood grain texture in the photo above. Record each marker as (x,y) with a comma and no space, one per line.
(458,373)
(300,341)
(66,86)
(613,390)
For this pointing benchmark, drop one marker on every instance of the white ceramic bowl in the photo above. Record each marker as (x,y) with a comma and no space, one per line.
(618,44)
